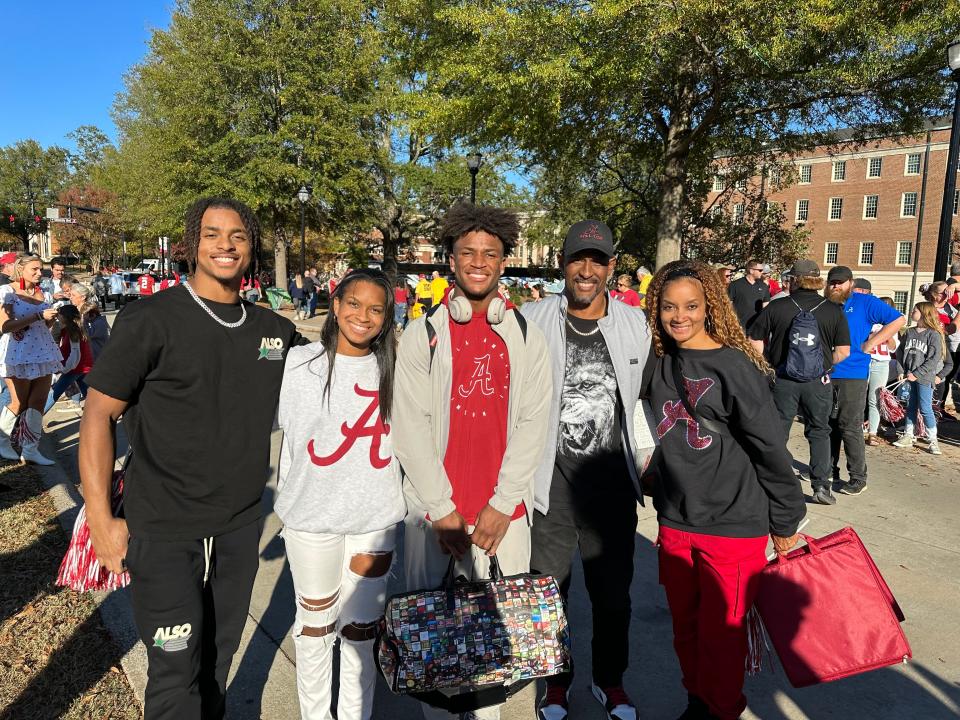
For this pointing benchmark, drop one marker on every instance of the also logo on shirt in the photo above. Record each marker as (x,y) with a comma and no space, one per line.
(172,639)
(271,349)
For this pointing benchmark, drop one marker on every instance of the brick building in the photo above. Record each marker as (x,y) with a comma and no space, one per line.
(861,204)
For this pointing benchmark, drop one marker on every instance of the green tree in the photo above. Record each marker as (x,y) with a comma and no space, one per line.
(30,179)
(613,87)
(251,99)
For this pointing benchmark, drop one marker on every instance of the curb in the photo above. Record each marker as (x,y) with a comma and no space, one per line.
(114,607)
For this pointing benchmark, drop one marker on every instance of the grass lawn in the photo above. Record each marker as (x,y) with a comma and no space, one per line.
(56,658)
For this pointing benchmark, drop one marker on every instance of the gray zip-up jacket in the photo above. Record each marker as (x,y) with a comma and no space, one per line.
(421,413)
(624,330)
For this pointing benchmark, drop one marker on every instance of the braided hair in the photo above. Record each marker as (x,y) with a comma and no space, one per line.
(194,217)
(721,322)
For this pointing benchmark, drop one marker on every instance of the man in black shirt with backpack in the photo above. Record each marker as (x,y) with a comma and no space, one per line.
(803,336)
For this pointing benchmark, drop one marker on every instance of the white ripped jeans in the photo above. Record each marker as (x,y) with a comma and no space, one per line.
(334,601)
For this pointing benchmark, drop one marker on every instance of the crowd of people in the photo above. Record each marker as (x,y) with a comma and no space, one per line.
(529,433)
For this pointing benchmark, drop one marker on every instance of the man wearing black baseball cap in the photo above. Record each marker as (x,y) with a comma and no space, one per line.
(850,377)
(776,334)
(587,485)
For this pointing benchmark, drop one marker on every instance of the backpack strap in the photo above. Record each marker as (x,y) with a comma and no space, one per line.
(522,322)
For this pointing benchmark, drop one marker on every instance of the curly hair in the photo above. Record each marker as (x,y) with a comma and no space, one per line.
(465,218)
(194,216)
(721,322)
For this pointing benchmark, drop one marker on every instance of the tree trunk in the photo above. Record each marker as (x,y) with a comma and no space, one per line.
(280,257)
(389,253)
(672,207)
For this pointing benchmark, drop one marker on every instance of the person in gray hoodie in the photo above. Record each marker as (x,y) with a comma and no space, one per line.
(926,362)
(587,485)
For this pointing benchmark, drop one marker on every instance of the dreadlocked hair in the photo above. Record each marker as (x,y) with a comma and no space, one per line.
(194,216)
(384,345)
(466,217)
(721,322)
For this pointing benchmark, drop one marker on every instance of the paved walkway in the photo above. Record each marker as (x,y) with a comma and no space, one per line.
(907,518)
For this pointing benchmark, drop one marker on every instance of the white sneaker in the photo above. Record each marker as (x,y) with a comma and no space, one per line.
(934,449)
(905,442)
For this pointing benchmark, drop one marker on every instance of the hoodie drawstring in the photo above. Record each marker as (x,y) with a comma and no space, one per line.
(207,555)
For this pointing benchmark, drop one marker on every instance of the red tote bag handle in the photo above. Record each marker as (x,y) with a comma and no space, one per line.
(811,545)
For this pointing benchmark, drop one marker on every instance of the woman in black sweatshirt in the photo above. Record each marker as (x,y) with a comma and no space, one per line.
(725,480)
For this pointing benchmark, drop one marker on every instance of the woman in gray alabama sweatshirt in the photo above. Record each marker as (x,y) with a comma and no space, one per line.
(339,493)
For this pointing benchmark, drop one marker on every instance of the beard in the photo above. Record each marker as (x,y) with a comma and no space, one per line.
(838,296)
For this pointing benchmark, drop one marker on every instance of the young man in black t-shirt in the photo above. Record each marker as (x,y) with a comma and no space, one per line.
(813,398)
(195,372)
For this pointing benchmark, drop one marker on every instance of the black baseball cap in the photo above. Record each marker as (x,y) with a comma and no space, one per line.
(839,274)
(863,284)
(804,268)
(588,235)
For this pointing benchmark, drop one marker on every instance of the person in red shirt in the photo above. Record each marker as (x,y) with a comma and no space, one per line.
(77,356)
(146,283)
(401,296)
(624,293)
(471,410)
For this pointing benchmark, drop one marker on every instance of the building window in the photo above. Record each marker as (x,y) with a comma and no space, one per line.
(904,252)
(908,207)
(870,203)
(830,255)
(738,213)
(912,165)
(836,208)
(900,301)
(956,201)
(866,253)
(719,183)
(839,170)
(741,185)
(806,174)
(874,167)
(775,176)
(716,211)
(803,210)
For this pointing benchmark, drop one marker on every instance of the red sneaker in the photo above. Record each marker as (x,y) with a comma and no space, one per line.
(554,704)
(615,702)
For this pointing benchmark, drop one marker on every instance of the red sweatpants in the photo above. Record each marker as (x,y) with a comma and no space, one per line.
(711,583)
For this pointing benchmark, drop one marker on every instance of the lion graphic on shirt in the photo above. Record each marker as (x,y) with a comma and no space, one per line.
(588,403)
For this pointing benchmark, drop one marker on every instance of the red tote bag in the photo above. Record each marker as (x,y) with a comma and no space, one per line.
(829,612)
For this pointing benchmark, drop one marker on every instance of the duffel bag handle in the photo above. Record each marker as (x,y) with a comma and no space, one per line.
(811,545)
(450,578)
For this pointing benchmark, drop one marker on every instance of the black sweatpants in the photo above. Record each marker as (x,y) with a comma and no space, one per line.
(602,521)
(191,628)
(815,401)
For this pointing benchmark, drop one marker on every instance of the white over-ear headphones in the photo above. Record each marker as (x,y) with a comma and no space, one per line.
(461,310)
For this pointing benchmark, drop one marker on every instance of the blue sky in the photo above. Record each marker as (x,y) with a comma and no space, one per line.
(62,62)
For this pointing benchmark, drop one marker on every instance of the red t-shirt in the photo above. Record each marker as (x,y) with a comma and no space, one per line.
(477,438)
(85,364)
(146,285)
(400,296)
(628,297)
(774,287)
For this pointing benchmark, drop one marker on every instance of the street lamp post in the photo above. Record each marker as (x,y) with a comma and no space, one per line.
(303,195)
(474,160)
(950,181)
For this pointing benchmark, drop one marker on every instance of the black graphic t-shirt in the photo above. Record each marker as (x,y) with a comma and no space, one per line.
(589,445)
(202,399)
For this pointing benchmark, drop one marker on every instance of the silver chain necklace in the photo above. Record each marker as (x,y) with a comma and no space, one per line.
(211,313)
(580,332)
